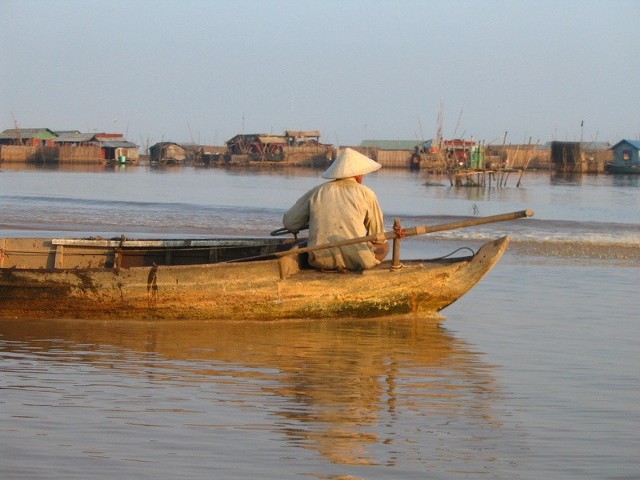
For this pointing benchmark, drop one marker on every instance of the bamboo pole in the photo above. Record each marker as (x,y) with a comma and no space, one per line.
(409,232)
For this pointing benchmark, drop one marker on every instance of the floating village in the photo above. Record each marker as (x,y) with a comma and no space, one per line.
(464,161)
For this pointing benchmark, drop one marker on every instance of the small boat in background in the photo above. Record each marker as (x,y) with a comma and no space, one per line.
(618,168)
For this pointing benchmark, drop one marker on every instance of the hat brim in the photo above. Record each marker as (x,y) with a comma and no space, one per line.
(350,163)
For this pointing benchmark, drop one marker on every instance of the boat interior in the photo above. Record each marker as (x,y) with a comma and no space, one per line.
(125,253)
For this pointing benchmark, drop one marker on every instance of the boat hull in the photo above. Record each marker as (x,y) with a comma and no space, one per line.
(270,289)
(617,168)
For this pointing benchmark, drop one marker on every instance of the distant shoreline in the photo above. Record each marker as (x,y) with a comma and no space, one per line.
(497,159)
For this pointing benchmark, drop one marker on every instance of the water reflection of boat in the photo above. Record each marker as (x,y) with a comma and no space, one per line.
(350,389)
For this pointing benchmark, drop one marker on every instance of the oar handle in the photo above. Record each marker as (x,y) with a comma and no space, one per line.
(409,232)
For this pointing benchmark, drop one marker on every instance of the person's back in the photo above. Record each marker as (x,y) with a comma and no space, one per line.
(340,210)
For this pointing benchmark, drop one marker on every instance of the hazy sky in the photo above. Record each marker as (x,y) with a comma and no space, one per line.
(204,71)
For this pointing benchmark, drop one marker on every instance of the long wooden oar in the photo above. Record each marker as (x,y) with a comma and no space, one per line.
(407,232)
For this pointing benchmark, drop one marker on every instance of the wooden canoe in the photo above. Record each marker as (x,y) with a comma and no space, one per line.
(203,279)
(622,168)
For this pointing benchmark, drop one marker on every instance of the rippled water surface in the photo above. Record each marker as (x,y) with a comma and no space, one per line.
(534,374)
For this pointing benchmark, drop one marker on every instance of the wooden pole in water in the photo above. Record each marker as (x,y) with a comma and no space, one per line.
(526,165)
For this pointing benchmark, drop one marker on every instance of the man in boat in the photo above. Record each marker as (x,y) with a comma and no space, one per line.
(338,210)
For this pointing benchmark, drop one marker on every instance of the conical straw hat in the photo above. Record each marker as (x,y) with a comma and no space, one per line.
(349,164)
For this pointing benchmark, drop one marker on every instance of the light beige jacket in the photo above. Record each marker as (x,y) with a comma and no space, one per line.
(338,210)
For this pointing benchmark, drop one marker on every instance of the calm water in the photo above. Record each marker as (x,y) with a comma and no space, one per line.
(534,374)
